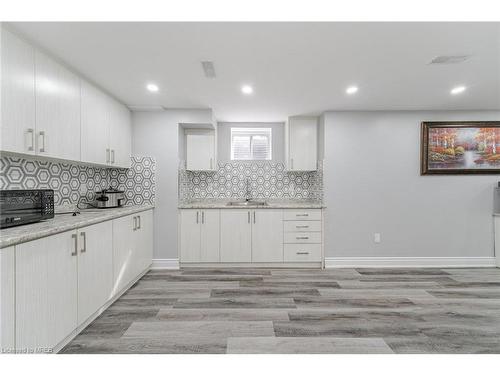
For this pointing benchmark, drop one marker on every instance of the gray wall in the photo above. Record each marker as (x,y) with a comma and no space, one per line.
(373,184)
(224,138)
(156,134)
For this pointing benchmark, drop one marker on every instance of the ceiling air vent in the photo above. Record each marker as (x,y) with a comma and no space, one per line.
(208,69)
(449,59)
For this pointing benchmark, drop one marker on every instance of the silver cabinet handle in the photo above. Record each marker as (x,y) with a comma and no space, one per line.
(112,156)
(197,216)
(210,163)
(107,155)
(203,217)
(254,217)
(291,163)
(302,238)
(302,226)
(84,247)
(248,217)
(42,135)
(302,252)
(135,222)
(32,132)
(139,222)
(74,253)
(305,215)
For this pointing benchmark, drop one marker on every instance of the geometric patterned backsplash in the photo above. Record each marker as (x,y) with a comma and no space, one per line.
(72,182)
(267,180)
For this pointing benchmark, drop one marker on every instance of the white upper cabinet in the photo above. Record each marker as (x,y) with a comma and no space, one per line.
(106,132)
(94,128)
(120,134)
(200,152)
(301,143)
(57,109)
(17,125)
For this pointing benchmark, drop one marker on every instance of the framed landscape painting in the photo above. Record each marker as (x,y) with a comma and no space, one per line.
(460,147)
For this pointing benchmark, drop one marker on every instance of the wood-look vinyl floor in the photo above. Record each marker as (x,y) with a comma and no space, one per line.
(302,311)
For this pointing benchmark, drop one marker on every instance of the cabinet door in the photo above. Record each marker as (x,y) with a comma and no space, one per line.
(46,291)
(302,144)
(57,109)
(267,235)
(144,236)
(190,236)
(95,268)
(235,236)
(210,236)
(120,134)
(200,152)
(95,125)
(17,125)
(123,252)
(7,299)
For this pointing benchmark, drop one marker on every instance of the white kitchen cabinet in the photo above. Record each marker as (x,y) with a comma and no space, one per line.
(301,143)
(57,105)
(17,124)
(120,134)
(132,248)
(7,299)
(200,152)
(95,125)
(95,265)
(46,291)
(267,235)
(106,129)
(235,236)
(199,235)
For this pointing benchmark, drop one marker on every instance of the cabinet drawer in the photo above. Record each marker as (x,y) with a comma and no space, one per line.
(303,253)
(303,237)
(302,214)
(302,226)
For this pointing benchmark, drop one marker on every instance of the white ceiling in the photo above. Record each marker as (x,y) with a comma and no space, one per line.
(295,68)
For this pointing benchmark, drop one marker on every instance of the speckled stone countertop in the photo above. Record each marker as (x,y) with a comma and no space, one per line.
(62,223)
(220,203)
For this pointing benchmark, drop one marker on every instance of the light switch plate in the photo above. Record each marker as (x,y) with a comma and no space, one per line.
(377,238)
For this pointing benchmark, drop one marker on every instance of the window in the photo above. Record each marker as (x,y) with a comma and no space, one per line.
(251,144)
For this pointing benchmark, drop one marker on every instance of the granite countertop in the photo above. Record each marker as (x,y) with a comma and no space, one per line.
(64,222)
(270,204)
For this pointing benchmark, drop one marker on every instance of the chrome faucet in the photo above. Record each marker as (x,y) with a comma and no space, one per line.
(248,192)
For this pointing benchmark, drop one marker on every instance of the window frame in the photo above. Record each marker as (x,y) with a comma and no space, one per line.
(252,132)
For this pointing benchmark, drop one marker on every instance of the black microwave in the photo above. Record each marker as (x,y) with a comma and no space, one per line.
(19,207)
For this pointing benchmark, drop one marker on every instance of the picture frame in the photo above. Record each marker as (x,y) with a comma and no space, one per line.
(460,147)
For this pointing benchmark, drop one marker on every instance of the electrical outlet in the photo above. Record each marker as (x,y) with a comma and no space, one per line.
(377,238)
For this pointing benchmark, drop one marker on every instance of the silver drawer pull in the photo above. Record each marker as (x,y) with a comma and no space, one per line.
(302,238)
(302,252)
(302,215)
(302,226)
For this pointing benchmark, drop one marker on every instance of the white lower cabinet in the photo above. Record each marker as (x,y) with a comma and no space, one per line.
(64,279)
(199,236)
(95,262)
(46,291)
(235,236)
(254,236)
(132,248)
(7,300)
(267,235)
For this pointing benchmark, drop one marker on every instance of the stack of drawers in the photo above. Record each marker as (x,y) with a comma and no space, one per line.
(303,235)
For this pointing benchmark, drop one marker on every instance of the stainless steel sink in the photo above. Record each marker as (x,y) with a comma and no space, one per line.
(247,203)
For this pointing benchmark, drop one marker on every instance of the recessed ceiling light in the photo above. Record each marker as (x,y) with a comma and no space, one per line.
(458,90)
(247,89)
(152,87)
(351,90)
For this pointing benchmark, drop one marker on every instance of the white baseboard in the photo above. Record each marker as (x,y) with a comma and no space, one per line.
(441,262)
(171,264)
